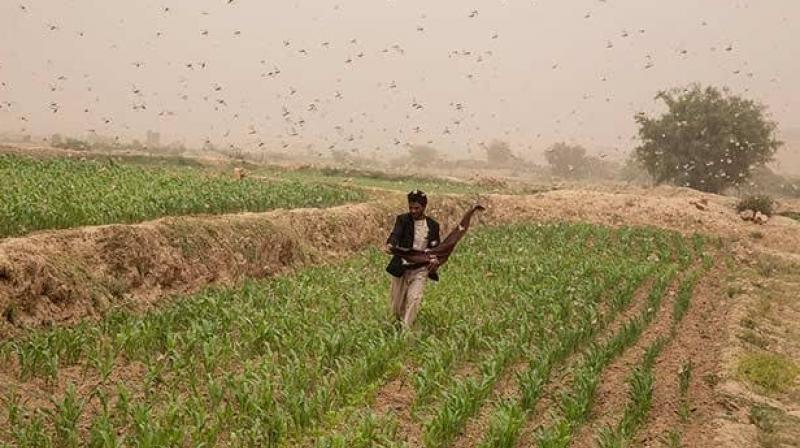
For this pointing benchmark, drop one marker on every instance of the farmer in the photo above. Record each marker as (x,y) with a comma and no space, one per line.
(418,254)
(418,232)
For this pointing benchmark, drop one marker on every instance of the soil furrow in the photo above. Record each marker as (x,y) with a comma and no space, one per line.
(547,405)
(698,339)
(612,390)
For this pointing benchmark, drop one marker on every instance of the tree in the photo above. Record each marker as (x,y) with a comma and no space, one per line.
(598,168)
(567,160)
(633,171)
(498,153)
(422,154)
(708,139)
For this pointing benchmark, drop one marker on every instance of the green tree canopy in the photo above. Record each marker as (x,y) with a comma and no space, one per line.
(498,153)
(708,139)
(567,160)
(423,155)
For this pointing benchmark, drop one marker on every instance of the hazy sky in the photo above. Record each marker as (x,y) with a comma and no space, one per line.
(372,75)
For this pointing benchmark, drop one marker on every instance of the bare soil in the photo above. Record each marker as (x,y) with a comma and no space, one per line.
(562,377)
(611,396)
(396,398)
(696,340)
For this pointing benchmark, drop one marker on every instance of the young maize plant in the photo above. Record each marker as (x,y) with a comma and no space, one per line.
(640,393)
(642,380)
(297,360)
(534,287)
(463,396)
(576,404)
(63,193)
(503,431)
(684,380)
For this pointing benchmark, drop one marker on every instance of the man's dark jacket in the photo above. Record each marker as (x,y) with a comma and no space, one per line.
(403,236)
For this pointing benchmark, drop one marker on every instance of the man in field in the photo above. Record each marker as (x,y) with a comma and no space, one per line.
(413,232)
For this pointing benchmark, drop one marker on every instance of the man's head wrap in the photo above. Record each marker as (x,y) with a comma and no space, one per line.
(418,196)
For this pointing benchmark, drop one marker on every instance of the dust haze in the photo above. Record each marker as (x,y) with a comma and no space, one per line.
(373,78)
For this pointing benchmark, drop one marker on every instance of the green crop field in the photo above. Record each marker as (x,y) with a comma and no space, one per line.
(63,193)
(304,360)
(381,180)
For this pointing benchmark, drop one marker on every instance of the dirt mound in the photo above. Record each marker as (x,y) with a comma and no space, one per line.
(670,208)
(65,276)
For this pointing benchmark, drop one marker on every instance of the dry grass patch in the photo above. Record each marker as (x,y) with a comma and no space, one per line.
(770,371)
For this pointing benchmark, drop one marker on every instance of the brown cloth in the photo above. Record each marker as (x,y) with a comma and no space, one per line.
(444,249)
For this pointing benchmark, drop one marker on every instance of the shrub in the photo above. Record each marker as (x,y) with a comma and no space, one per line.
(74,144)
(567,160)
(757,203)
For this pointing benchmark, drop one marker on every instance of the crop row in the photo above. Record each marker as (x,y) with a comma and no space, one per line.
(63,193)
(288,361)
(576,404)
(642,380)
(548,317)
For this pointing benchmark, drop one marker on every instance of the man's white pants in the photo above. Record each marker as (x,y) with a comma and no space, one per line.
(406,295)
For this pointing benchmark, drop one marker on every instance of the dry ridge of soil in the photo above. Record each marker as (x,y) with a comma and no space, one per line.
(61,277)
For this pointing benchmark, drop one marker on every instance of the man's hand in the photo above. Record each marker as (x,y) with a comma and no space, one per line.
(433,264)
